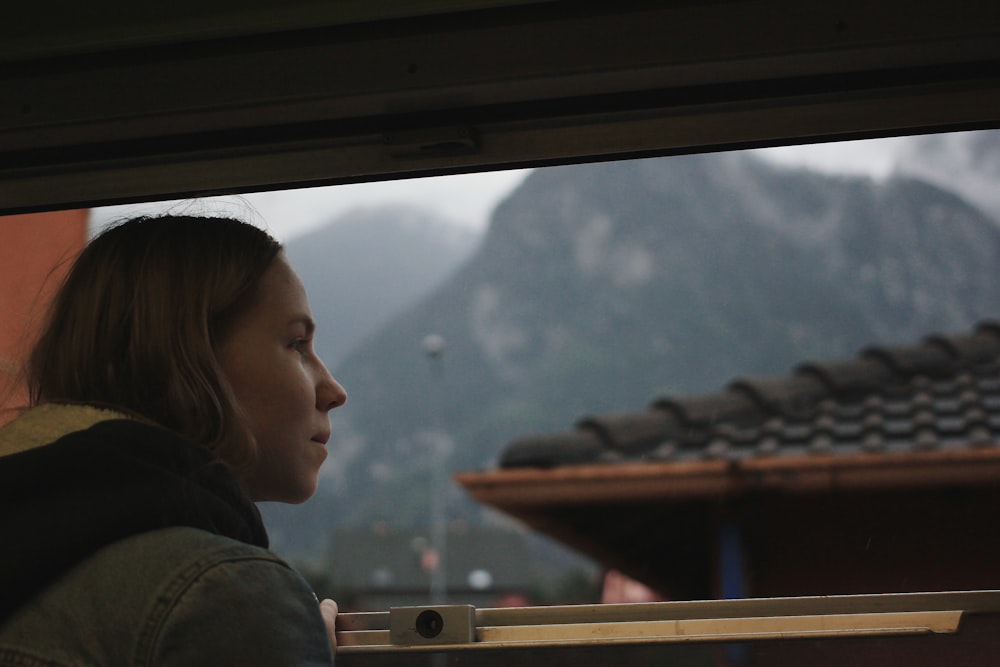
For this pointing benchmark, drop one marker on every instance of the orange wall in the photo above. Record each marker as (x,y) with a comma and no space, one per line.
(35,252)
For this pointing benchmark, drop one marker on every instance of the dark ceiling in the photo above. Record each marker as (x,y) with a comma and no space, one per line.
(116,103)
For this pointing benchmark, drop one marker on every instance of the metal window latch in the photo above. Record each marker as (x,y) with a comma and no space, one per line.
(425,626)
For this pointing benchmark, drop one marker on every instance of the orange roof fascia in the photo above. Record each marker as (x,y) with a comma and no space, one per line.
(679,481)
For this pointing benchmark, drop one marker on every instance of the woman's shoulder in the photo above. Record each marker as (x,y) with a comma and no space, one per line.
(177,596)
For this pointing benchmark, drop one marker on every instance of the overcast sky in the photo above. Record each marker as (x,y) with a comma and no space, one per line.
(468,199)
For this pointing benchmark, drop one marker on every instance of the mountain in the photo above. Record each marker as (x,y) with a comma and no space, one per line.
(370,264)
(600,286)
(965,162)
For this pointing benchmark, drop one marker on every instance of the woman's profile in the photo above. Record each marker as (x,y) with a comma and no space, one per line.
(173,385)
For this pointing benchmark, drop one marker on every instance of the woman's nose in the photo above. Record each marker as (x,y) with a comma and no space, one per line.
(329,393)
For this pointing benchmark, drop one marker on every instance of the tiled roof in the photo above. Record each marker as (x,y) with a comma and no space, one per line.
(941,395)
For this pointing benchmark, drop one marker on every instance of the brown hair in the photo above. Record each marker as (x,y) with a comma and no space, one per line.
(138,320)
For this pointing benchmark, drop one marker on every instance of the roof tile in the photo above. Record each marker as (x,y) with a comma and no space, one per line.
(711,408)
(547,451)
(981,347)
(928,359)
(854,376)
(789,396)
(631,432)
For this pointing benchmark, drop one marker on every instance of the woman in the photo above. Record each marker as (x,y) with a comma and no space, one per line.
(174,385)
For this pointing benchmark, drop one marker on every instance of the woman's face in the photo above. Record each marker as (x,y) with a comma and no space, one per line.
(283,388)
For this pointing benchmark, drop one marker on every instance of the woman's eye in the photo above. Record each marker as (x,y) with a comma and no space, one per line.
(300,345)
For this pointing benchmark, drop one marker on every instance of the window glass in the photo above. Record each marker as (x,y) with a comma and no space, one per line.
(465,313)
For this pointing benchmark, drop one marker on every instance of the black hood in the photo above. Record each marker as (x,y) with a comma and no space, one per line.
(61,502)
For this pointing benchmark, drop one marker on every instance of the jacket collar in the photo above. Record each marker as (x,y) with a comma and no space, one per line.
(47,423)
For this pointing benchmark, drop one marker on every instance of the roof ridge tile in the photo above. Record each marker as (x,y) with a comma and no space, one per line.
(907,361)
(704,410)
(851,377)
(551,449)
(631,432)
(982,346)
(795,395)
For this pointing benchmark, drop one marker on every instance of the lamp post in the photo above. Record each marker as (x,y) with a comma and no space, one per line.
(434,345)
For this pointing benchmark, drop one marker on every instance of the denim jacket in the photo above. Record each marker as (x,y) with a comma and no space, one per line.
(177,596)
(125,544)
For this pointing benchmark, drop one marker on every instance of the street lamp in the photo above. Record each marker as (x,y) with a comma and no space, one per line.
(434,346)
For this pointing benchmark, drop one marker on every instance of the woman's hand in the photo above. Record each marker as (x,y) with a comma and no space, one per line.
(328,609)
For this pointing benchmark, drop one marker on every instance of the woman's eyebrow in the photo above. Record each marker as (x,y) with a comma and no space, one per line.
(309,323)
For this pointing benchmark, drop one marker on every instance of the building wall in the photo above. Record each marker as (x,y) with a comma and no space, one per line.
(888,541)
(35,252)
(878,542)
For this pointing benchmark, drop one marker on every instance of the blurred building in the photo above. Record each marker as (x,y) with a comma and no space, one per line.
(35,252)
(875,474)
(382,567)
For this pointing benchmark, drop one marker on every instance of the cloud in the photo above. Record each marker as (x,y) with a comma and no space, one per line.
(875,157)
(467,199)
